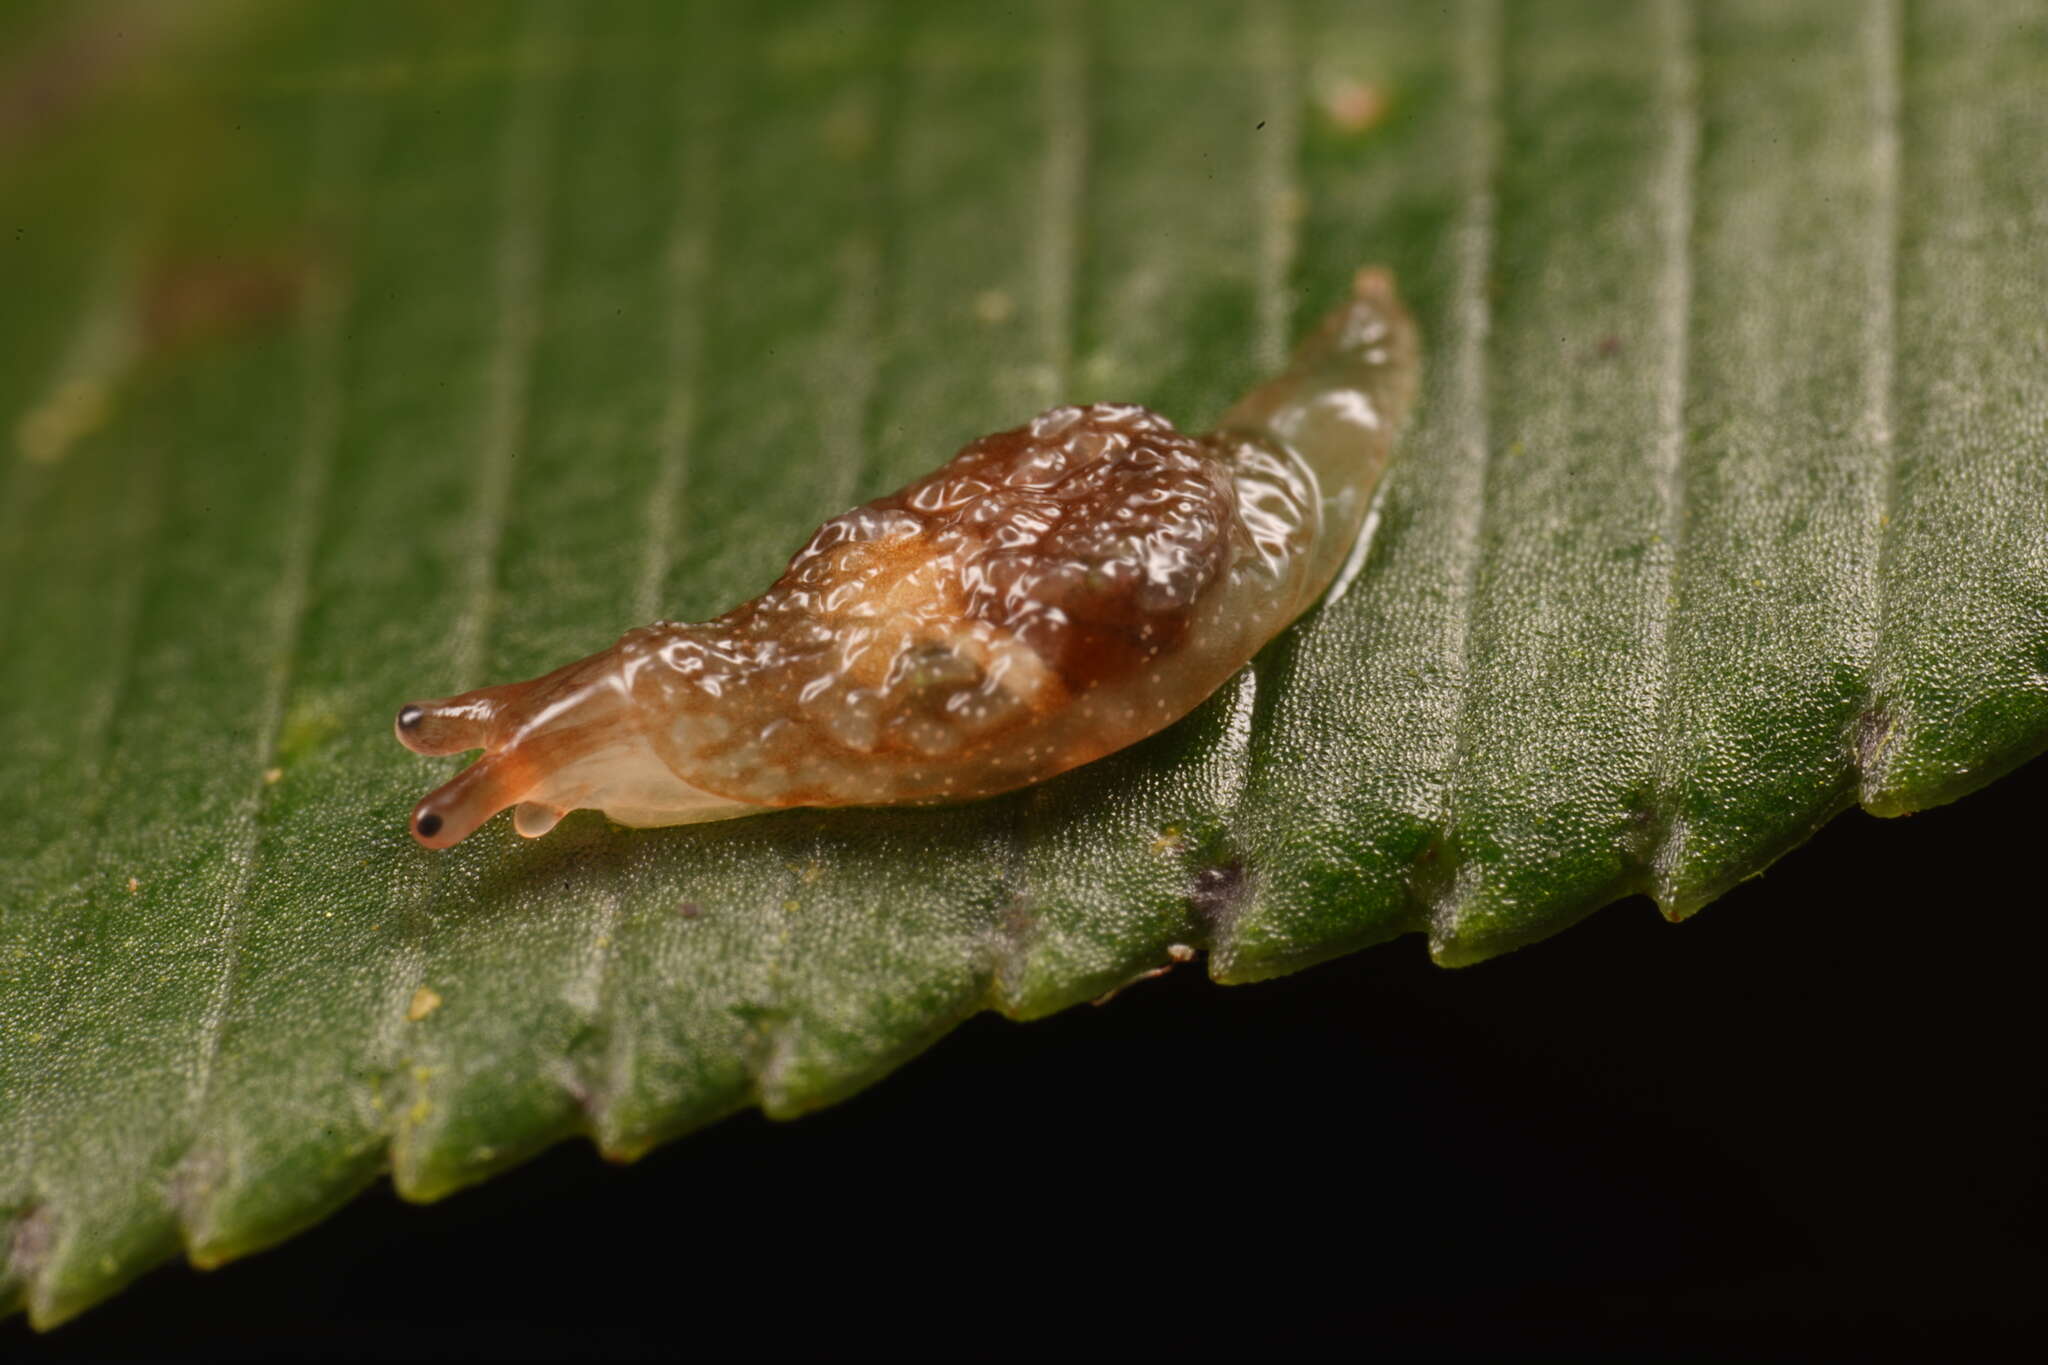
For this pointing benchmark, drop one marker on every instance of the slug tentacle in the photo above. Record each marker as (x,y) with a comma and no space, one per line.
(1052,594)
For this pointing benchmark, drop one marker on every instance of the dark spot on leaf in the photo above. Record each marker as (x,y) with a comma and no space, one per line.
(1433,872)
(200,298)
(56,74)
(1608,347)
(35,1232)
(1018,917)
(1873,730)
(1217,893)
(689,910)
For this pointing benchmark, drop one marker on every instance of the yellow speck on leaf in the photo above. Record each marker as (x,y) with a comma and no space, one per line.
(78,407)
(1167,840)
(994,306)
(272,776)
(421,1105)
(311,722)
(424,1002)
(848,131)
(133,886)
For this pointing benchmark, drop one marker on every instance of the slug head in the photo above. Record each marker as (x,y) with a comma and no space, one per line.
(533,733)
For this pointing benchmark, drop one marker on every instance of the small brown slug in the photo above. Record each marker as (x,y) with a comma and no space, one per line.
(1052,594)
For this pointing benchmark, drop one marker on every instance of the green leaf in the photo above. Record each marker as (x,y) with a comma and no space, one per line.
(353,353)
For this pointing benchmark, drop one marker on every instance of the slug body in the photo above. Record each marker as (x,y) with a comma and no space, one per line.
(1050,595)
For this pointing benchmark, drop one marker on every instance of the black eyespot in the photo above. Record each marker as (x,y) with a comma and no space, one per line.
(409,717)
(429,825)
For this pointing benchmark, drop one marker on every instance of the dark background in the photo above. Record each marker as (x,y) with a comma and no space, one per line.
(1807,1124)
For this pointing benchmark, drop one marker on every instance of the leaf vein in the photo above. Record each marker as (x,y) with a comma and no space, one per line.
(1482,61)
(526,153)
(692,239)
(322,316)
(1677,194)
(1886,36)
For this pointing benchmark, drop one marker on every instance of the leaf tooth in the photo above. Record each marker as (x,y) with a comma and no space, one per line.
(1960,667)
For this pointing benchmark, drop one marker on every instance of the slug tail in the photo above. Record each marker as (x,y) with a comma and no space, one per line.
(1338,405)
(1366,345)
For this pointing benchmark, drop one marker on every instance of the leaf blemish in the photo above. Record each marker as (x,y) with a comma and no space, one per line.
(994,306)
(77,409)
(1216,895)
(35,1232)
(1873,731)
(197,299)
(311,722)
(1353,106)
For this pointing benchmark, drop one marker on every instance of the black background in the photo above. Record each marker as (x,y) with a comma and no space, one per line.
(1807,1124)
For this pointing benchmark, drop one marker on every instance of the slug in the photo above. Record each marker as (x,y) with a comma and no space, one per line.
(1052,594)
